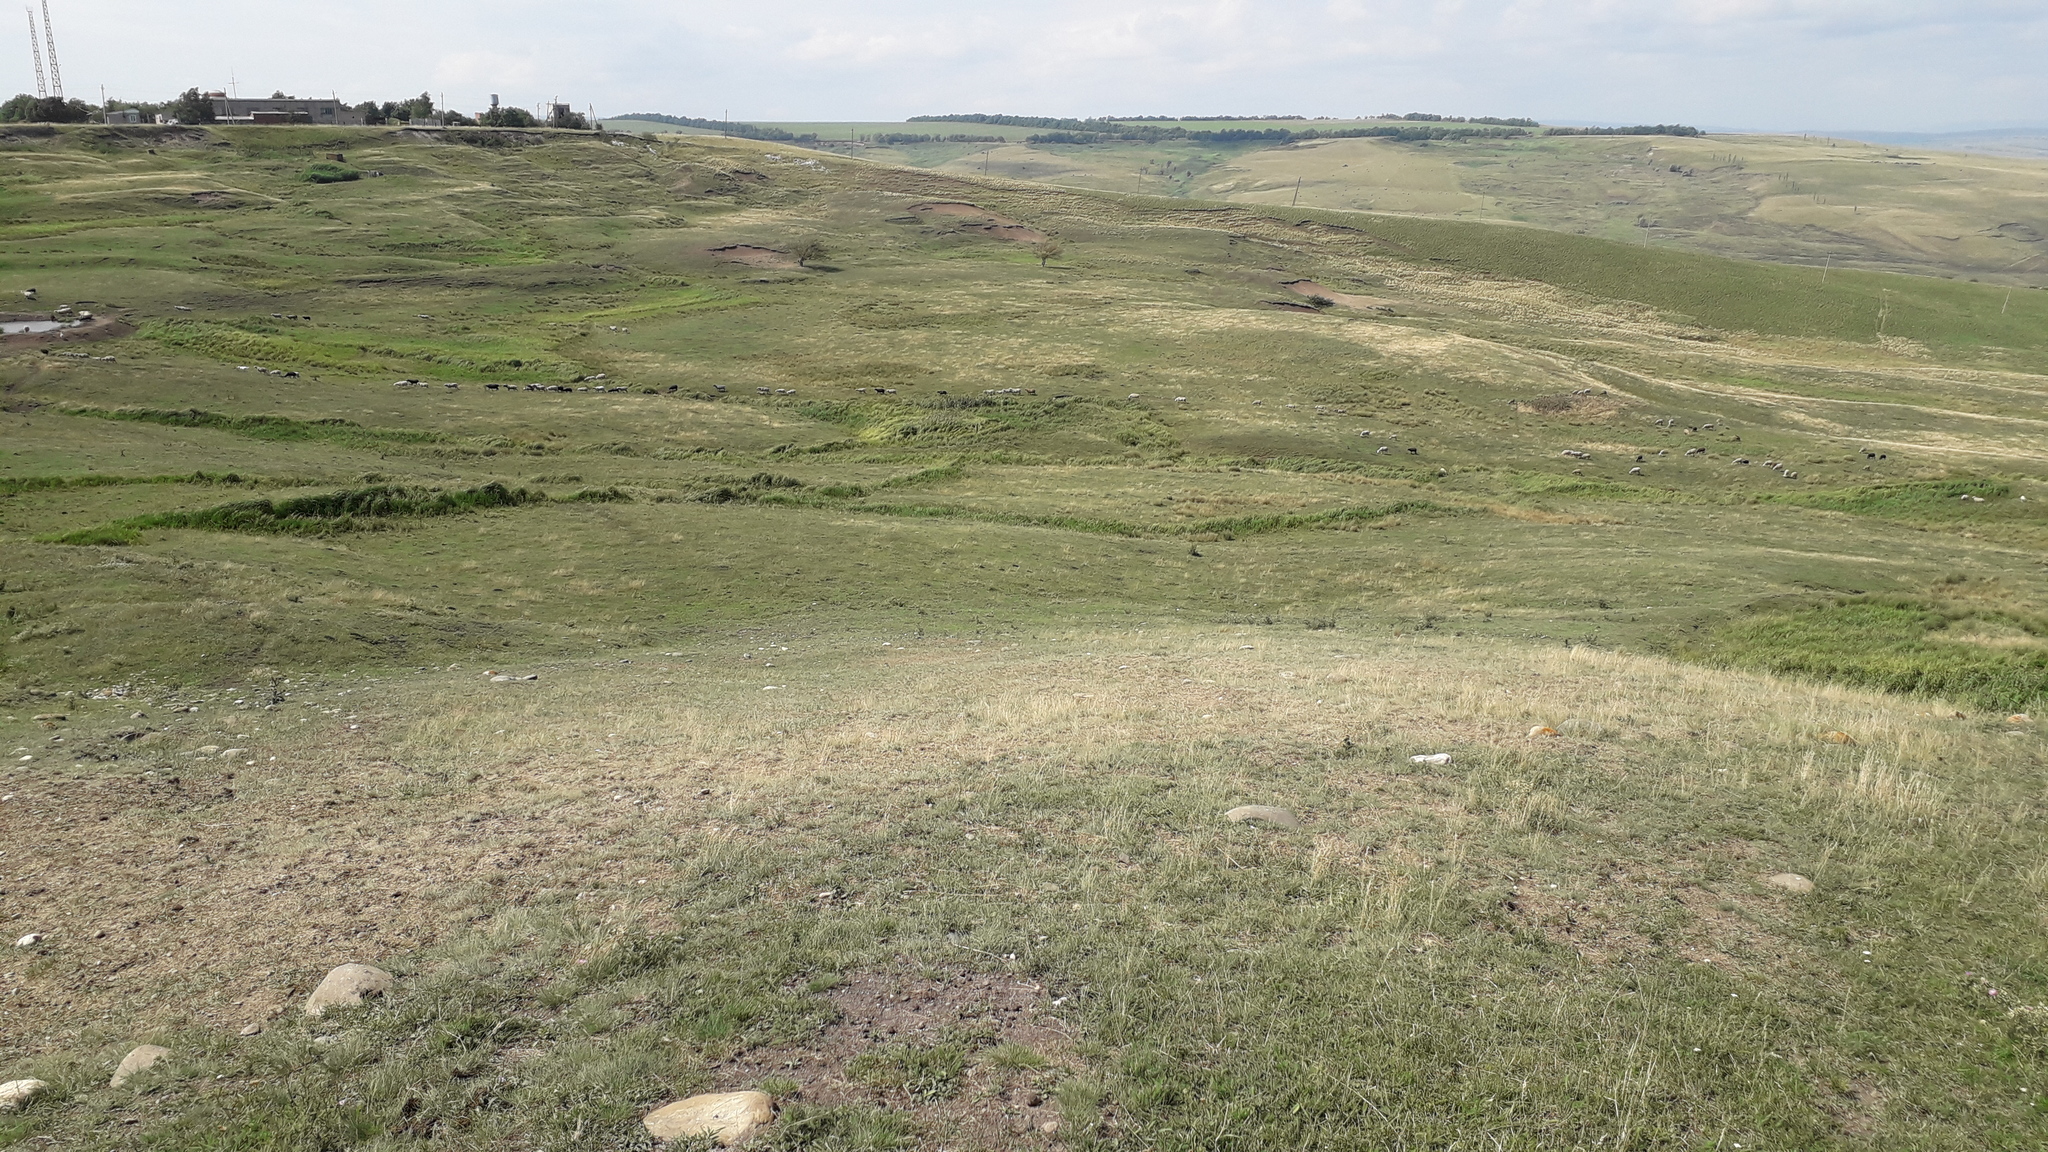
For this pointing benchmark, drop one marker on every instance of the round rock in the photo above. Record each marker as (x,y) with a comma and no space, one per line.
(346,987)
(15,1094)
(1790,882)
(1277,817)
(727,1117)
(137,1061)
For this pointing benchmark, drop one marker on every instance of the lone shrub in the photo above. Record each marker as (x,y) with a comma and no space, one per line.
(328,172)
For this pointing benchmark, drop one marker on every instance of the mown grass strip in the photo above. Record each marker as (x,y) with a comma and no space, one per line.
(335,430)
(327,513)
(1231,527)
(16,485)
(1225,527)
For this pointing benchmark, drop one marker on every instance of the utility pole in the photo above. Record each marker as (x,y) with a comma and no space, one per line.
(1297,193)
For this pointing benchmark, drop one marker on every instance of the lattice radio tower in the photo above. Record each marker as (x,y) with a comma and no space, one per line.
(35,48)
(50,42)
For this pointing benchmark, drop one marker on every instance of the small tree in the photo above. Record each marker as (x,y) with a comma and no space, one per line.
(1046,250)
(507,117)
(806,251)
(191,108)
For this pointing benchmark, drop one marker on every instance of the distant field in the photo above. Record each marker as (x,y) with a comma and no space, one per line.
(906,617)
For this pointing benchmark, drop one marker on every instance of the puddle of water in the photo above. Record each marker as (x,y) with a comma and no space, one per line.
(17,327)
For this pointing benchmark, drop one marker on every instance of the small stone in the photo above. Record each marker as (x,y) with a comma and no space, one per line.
(1278,817)
(30,940)
(727,1117)
(1837,738)
(136,1062)
(252,1030)
(1049,1127)
(1790,882)
(15,1094)
(1543,730)
(2019,718)
(208,749)
(346,986)
(1432,758)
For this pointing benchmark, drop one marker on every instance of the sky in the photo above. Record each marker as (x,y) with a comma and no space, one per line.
(1781,65)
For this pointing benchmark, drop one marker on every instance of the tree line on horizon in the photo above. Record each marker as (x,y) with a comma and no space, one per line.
(194,107)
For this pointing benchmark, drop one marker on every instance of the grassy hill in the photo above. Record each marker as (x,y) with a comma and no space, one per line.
(1920,206)
(906,618)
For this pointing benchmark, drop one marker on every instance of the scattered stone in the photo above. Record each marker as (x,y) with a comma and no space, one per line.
(30,940)
(1049,1127)
(15,1094)
(1543,730)
(50,716)
(137,1061)
(1278,817)
(1837,738)
(1790,882)
(1431,758)
(346,987)
(208,749)
(252,1029)
(727,1117)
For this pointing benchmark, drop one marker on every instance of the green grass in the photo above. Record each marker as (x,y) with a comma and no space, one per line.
(1896,646)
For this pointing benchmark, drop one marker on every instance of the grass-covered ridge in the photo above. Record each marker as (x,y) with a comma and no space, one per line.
(264,427)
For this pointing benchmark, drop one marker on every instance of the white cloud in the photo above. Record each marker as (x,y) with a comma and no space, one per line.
(1902,64)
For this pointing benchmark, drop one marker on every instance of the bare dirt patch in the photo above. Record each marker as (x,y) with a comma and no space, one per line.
(965,217)
(753,256)
(97,328)
(1347,299)
(1004,1031)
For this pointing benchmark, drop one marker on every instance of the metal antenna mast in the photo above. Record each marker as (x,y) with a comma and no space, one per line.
(35,47)
(50,39)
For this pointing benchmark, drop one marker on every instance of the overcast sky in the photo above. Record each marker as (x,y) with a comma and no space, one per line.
(1900,65)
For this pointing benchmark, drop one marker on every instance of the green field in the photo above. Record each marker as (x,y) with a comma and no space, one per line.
(905,618)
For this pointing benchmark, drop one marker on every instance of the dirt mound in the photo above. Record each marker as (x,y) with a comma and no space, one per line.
(888,1023)
(1347,299)
(753,256)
